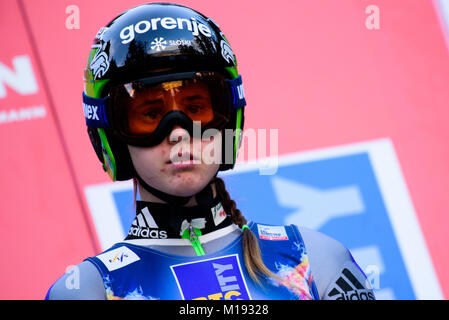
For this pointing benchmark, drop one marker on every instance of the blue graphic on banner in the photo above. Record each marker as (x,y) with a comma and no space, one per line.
(221,279)
(124,203)
(338,196)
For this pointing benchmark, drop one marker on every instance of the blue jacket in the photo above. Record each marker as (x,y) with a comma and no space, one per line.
(132,271)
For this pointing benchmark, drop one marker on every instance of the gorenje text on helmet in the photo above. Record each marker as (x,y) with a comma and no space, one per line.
(127,34)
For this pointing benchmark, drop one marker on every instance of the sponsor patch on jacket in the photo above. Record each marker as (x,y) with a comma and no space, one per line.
(212,279)
(272,232)
(218,214)
(118,258)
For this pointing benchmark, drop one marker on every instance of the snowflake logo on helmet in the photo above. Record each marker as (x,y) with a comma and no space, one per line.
(100,62)
(226,52)
(158,44)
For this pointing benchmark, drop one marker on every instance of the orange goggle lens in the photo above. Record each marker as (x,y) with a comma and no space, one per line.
(140,106)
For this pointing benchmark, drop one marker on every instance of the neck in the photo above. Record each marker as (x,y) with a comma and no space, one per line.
(156,219)
(147,196)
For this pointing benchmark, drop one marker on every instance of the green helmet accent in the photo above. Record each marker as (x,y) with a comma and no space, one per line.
(108,157)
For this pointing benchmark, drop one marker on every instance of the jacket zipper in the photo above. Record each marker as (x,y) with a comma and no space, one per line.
(192,235)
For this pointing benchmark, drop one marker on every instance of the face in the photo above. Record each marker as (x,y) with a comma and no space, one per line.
(180,165)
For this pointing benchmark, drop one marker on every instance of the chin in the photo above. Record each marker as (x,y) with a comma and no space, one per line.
(187,185)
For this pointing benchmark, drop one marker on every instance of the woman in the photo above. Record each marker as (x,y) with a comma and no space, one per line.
(162,92)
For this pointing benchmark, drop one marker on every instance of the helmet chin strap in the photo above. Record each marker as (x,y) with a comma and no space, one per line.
(204,197)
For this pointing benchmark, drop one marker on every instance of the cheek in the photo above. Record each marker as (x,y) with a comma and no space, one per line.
(163,153)
(145,160)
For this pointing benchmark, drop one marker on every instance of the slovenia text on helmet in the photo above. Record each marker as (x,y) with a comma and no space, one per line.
(147,46)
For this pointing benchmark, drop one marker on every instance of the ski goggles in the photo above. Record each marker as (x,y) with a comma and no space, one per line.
(142,112)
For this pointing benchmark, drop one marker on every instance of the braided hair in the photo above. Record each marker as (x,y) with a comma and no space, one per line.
(251,250)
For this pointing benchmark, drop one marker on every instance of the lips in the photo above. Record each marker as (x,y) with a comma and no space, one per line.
(185,158)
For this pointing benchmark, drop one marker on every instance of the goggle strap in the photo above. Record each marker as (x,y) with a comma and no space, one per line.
(95,111)
(238,94)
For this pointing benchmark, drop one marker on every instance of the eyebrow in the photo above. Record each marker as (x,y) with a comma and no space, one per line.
(160,101)
(151,102)
(194,97)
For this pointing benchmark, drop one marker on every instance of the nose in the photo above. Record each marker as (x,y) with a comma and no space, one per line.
(178,134)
